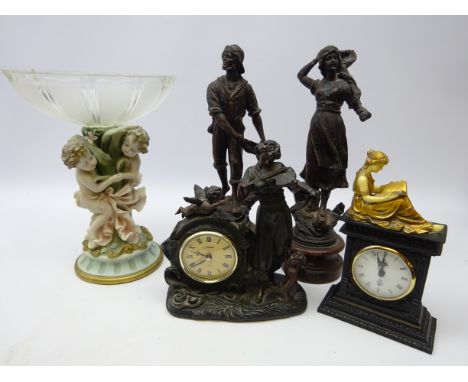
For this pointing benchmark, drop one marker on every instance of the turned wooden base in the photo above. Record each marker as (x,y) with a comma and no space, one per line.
(323,265)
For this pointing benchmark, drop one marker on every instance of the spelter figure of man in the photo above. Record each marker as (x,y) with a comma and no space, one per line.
(229,98)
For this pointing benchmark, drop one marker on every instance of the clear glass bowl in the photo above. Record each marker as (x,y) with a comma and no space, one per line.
(91,99)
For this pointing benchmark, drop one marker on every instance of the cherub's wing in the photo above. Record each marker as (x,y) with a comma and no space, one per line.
(199,192)
(192,200)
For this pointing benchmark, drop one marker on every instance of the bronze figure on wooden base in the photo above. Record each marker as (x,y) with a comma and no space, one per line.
(326,163)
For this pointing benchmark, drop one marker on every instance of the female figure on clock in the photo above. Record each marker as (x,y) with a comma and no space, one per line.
(327,148)
(388,205)
(265,182)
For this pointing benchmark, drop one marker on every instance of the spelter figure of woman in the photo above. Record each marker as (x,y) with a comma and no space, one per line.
(327,148)
(264,182)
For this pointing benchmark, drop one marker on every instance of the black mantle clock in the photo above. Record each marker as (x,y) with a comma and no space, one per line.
(381,289)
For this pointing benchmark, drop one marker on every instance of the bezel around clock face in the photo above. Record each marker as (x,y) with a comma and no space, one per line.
(208,257)
(383,273)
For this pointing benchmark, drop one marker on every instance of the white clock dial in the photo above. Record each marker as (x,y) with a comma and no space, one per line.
(383,273)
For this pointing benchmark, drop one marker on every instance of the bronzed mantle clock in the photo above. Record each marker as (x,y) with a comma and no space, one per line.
(384,274)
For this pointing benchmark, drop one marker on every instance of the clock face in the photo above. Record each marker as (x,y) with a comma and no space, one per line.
(383,273)
(208,257)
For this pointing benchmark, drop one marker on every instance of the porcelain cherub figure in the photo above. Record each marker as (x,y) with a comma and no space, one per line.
(97,195)
(107,166)
(132,141)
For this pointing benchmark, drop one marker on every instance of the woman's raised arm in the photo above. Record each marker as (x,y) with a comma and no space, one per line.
(302,75)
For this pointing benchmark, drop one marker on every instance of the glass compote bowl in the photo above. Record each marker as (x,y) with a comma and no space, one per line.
(107,161)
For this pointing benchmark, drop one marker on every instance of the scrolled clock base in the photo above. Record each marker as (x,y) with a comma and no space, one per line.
(420,336)
(235,305)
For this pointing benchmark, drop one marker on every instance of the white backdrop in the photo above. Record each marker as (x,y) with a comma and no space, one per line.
(412,73)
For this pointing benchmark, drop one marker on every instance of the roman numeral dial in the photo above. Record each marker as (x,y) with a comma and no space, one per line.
(383,273)
(208,257)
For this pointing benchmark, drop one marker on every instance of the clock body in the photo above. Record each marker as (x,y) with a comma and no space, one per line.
(212,275)
(208,254)
(383,280)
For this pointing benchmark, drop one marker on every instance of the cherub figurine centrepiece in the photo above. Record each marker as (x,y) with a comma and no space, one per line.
(106,159)
(388,205)
(229,98)
(111,198)
(107,166)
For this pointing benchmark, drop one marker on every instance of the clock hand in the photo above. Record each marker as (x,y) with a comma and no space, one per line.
(381,264)
(200,262)
(208,256)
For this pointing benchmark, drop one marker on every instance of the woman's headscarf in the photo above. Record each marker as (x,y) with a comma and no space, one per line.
(347,58)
